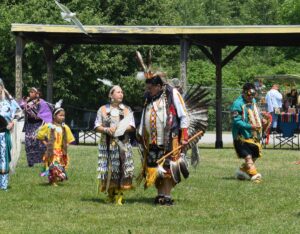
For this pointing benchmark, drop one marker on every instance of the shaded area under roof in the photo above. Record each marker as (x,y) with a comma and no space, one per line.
(210,39)
(281,78)
(283,35)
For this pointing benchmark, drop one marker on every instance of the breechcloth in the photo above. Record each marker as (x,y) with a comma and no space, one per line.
(247,147)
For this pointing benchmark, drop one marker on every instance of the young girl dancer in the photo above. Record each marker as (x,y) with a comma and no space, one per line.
(56,136)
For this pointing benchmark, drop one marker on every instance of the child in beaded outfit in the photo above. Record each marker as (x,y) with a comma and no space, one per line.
(56,136)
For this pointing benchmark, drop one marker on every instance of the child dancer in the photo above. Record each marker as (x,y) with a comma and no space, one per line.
(56,136)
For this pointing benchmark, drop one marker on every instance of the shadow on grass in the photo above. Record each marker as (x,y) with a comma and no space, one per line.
(228,178)
(46,184)
(298,214)
(93,199)
(144,200)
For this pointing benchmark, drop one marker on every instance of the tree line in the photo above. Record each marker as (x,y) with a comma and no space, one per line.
(76,72)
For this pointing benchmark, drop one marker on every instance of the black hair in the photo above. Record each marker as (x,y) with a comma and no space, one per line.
(248,86)
(156,80)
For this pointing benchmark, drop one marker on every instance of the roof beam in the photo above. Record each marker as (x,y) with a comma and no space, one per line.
(232,55)
(206,52)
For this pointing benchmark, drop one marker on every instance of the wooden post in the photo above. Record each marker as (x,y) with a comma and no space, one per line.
(184,48)
(217,53)
(48,50)
(216,58)
(20,43)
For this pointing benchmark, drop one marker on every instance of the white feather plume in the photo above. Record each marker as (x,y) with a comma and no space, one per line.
(105,82)
(140,76)
(160,170)
(58,104)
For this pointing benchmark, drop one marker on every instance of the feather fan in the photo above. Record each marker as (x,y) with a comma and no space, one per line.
(197,102)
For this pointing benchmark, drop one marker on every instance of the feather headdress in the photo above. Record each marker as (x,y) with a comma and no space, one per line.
(58,104)
(57,107)
(147,73)
(105,82)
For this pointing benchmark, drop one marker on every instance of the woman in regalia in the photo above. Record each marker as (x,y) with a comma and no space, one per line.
(115,161)
(37,112)
(7,111)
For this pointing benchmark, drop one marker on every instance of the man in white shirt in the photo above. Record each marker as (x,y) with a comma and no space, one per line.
(274,101)
(164,126)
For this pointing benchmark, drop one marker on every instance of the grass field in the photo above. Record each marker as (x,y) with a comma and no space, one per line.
(210,201)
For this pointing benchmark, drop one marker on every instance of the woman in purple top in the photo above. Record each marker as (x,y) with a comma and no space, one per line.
(37,112)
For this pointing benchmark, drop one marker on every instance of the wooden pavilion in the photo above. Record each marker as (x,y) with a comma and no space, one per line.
(210,39)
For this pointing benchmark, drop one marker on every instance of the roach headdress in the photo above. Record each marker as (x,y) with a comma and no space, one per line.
(150,76)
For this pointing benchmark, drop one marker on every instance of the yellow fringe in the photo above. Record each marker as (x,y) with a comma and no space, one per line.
(254,142)
(252,172)
(175,144)
(151,176)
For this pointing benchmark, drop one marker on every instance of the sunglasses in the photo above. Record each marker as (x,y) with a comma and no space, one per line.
(250,93)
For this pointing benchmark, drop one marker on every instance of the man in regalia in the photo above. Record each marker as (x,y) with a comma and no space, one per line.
(164,127)
(246,131)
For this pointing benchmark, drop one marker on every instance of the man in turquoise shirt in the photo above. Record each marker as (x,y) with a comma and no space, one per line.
(246,132)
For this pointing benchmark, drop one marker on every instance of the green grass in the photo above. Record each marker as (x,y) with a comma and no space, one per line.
(210,201)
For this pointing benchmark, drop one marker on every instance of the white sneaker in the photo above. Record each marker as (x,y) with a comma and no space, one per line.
(256,177)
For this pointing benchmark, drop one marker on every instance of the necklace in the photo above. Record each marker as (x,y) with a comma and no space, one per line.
(58,128)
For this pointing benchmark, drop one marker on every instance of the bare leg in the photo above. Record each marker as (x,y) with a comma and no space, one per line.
(54,182)
(164,187)
(249,163)
(168,184)
(251,169)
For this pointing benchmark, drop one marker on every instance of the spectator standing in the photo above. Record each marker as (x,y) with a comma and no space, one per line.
(274,103)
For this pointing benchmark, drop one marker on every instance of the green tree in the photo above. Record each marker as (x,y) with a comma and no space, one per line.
(76,72)
(258,12)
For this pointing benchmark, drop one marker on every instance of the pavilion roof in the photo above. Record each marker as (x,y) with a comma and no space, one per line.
(245,35)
